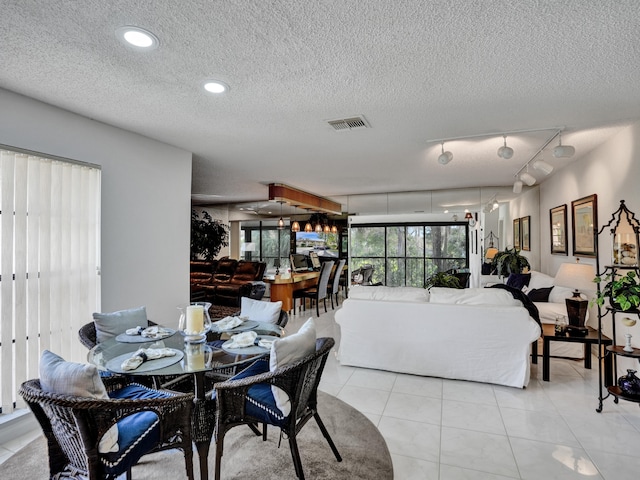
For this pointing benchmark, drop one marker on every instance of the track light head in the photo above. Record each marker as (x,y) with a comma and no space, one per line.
(563,151)
(527,178)
(504,151)
(542,166)
(445,157)
(517,186)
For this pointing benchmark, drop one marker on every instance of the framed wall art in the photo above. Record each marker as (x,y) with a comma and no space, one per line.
(558,229)
(525,233)
(516,233)
(584,225)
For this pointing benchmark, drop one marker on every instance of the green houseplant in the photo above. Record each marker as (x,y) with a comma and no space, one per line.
(509,261)
(208,236)
(442,279)
(623,292)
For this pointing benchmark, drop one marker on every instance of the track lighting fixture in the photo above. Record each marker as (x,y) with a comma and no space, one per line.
(527,178)
(445,157)
(542,166)
(517,186)
(504,151)
(563,151)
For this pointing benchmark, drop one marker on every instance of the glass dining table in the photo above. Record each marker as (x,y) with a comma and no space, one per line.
(196,360)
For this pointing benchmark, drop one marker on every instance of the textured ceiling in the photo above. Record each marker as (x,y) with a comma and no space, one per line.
(416,70)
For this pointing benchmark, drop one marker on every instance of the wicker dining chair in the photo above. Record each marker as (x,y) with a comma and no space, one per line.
(244,400)
(73,427)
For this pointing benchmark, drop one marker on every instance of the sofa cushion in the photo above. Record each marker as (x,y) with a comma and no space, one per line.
(548,311)
(288,350)
(519,280)
(110,325)
(246,272)
(401,294)
(224,269)
(200,277)
(559,294)
(472,296)
(539,294)
(259,310)
(540,280)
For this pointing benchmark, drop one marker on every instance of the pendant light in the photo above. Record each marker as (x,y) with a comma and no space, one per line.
(326,228)
(318,228)
(334,228)
(281,221)
(295,226)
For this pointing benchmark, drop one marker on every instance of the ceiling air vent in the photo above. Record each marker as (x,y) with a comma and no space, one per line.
(346,124)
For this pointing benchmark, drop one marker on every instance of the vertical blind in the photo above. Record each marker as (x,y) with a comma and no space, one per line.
(49,277)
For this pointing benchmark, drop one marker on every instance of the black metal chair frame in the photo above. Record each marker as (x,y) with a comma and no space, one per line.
(299,380)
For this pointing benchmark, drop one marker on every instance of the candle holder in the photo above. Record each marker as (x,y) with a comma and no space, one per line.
(628,322)
(194,321)
(197,357)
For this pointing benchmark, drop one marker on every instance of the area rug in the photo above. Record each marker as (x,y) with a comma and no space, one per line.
(364,453)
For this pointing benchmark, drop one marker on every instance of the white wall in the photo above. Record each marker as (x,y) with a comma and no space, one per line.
(612,172)
(146,189)
(527,204)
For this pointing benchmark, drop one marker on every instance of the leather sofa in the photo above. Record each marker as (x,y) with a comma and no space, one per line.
(225,281)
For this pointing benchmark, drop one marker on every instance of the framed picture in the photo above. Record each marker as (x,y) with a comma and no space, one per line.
(525,232)
(516,233)
(558,228)
(584,225)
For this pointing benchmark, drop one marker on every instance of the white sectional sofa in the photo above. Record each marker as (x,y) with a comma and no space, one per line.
(476,334)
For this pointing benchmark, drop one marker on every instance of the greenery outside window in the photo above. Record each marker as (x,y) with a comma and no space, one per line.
(408,254)
(270,244)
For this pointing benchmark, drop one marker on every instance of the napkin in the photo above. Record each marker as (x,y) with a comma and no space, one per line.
(149,332)
(241,340)
(266,342)
(144,354)
(228,323)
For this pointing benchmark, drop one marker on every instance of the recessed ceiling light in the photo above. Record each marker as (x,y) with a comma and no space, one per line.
(215,86)
(137,37)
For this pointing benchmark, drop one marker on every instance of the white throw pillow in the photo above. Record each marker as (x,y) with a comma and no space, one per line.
(287,350)
(80,380)
(473,296)
(540,280)
(401,294)
(260,311)
(559,294)
(110,325)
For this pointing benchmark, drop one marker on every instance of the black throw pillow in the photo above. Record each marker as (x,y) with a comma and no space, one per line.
(539,294)
(488,269)
(519,280)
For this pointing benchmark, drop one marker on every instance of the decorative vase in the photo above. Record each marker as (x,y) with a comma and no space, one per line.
(630,384)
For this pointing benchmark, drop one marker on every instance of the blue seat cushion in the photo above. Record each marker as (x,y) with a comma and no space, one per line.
(260,403)
(138,433)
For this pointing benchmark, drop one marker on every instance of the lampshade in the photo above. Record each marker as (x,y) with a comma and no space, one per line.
(308,228)
(326,228)
(527,178)
(543,166)
(281,224)
(318,228)
(295,226)
(468,216)
(517,186)
(334,229)
(577,276)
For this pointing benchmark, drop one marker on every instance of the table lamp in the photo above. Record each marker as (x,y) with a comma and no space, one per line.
(579,277)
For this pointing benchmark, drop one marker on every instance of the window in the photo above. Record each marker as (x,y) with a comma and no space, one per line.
(269,243)
(406,255)
(49,281)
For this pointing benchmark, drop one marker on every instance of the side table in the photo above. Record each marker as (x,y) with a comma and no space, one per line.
(591,338)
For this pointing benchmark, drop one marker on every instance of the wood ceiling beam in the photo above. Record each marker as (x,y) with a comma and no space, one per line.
(283,193)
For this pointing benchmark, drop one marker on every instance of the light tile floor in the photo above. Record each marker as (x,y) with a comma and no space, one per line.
(439,429)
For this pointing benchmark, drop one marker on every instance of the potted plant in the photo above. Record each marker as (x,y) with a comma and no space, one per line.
(442,279)
(623,292)
(208,236)
(509,261)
